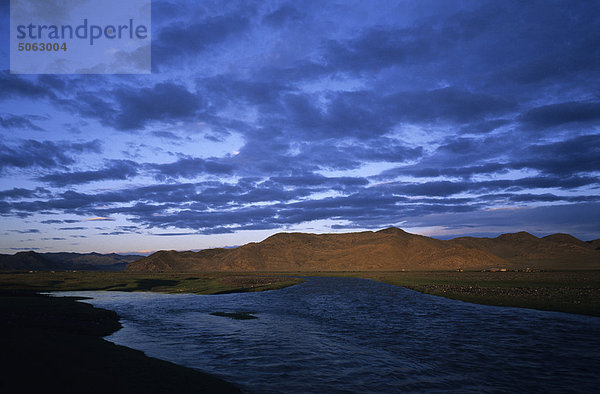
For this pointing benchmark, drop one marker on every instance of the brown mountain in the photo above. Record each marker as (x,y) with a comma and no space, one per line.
(595,244)
(557,251)
(389,249)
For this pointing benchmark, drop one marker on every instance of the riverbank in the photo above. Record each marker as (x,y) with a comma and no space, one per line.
(55,345)
(346,334)
(560,291)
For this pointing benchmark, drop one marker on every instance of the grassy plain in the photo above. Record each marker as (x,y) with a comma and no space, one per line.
(199,283)
(562,291)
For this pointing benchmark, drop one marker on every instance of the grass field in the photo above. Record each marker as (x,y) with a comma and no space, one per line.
(199,283)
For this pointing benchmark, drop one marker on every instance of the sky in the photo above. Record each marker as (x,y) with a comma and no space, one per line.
(444,118)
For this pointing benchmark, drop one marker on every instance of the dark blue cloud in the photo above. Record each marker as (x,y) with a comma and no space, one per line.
(570,156)
(422,171)
(43,154)
(379,48)
(319,180)
(284,14)
(164,101)
(449,188)
(180,40)
(29,231)
(549,197)
(18,86)
(368,114)
(167,135)
(449,104)
(115,233)
(133,107)
(94,146)
(563,160)
(189,168)
(485,126)
(18,193)
(224,89)
(561,51)
(563,113)
(18,122)
(172,234)
(115,170)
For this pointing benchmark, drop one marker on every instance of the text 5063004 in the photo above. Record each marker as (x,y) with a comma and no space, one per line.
(42,47)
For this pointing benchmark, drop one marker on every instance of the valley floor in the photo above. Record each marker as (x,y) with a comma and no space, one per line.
(562,291)
(55,343)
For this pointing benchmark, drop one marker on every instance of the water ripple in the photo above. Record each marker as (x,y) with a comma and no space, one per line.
(352,335)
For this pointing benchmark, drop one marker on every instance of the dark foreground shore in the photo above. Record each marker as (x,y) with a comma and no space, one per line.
(55,345)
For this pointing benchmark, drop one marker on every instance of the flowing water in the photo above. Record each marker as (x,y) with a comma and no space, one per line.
(355,335)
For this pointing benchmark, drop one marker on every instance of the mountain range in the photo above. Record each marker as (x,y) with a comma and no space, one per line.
(25,261)
(390,249)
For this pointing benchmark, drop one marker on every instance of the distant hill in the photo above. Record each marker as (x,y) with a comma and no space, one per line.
(557,251)
(389,249)
(594,244)
(26,261)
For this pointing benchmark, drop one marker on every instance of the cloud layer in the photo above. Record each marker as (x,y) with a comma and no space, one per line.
(446,118)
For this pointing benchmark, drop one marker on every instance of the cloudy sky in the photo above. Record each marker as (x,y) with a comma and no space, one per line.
(444,118)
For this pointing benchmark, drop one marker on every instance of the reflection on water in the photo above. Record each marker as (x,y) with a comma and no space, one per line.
(354,335)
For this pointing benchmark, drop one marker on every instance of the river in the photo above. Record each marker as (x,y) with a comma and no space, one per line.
(356,335)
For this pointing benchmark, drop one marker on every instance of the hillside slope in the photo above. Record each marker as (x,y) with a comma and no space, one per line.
(557,251)
(390,249)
